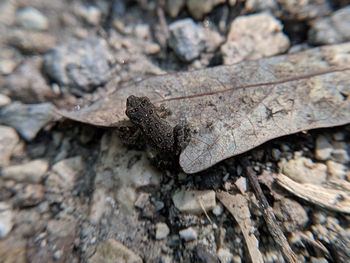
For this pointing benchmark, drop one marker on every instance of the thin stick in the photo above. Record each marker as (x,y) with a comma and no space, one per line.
(268,214)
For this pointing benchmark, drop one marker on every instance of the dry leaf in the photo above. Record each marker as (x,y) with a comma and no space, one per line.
(232,109)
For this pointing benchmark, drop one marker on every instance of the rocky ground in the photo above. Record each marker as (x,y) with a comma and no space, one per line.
(71,192)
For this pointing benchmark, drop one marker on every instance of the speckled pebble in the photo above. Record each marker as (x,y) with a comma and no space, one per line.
(30,172)
(225,255)
(189,201)
(323,149)
(340,156)
(188,234)
(4,100)
(6,219)
(253,37)
(304,170)
(187,39)
(31,18)
(336,170)
(162,231)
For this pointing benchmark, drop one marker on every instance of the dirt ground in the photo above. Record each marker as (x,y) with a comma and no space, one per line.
(75,192)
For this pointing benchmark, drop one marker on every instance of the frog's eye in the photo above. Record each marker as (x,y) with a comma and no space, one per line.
(168,134)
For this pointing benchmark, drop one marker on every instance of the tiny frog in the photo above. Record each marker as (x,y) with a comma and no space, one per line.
(144,114)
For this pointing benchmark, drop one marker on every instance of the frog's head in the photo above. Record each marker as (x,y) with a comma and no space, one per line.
(135,105)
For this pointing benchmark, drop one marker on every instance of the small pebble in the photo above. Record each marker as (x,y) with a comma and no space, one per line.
(194,201)
(57,255)
(162,231)
(339,136)
(188,234)
(340,156)
(187,39)
(218,209)
(336,170)
(6,219)
(31,18)
(4,100)
(323,149)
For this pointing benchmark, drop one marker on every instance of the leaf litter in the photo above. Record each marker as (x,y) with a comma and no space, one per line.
(232,109)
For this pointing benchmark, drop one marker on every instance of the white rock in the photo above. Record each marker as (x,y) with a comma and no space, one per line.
(31,18)
(241,184)
(339,136)
(142,200)
(6,219)
(4,100)
(9,140)
(198,8)
(194,201)
(162,231)
(303,170)
(323,149)
(336,170)
(225,255)
(7,66)
(64,173)
(31,172)
(114,251)
(340,156)
(188,234)
(218,209)
(90,14)
(253,37)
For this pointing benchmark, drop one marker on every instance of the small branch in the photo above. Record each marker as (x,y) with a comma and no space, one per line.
(268,214)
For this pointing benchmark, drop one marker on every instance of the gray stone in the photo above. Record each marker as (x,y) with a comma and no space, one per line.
(81,65)
(7,66)
(188,234)
(260,5)
(187,39)
(9,140)
(31,18)
(339,136)
(64,173)
(331,30)
(7,11)
(253,37)
(318,260)
(198,8)
(323,149)
(303,170)
(27,83)
(31,172)
(90,14)
(28,120)
(225,255)
(194,201)
(6,219)
(336,170)
(32,42)
(162,231)
(4,100)
(340,156)
(276,154)
(292,215)
(174,7)
(113,251)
